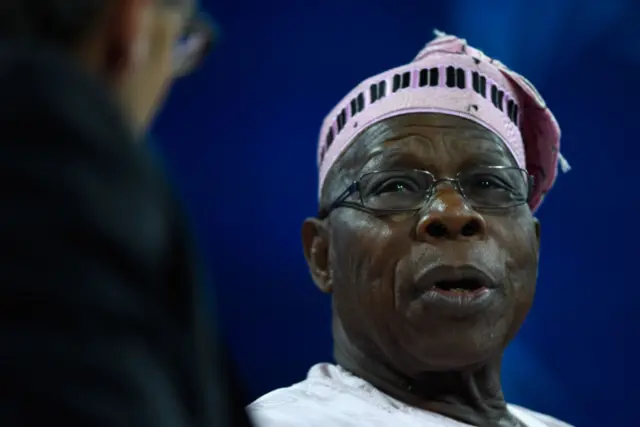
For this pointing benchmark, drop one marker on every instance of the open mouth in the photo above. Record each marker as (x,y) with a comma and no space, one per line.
(455,283)
(460,286)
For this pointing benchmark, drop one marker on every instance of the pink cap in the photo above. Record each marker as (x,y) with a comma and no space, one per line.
(450,77)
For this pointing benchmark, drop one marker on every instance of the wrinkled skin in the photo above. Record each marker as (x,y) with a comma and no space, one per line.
(419,350)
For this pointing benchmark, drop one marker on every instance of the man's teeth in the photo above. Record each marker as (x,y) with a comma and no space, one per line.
(459,290)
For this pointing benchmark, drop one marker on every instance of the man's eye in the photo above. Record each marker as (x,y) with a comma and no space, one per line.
(396,186)
(489,182)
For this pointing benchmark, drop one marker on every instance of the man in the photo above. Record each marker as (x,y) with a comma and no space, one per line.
(426,240)
(100,320)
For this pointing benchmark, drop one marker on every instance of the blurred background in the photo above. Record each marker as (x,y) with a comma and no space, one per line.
(239,139)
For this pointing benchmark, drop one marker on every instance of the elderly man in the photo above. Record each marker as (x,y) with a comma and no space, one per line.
(426,240)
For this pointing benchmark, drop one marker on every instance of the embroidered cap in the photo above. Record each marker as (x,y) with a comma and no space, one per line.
(450,77)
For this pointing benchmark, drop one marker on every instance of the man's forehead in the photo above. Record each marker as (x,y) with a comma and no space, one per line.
(427,147)
(424,136)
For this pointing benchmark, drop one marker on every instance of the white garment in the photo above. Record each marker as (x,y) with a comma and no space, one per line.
(333,397)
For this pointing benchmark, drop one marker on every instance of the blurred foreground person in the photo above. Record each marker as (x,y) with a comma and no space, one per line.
(100,317)
(426,240)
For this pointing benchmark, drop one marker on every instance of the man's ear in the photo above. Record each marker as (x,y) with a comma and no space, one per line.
(315,242)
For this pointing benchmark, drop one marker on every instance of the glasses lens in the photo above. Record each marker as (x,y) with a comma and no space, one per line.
(495,187)
(192,47)
(395,190)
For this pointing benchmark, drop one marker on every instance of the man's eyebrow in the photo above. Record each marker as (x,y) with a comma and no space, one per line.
(490,152)
(392,155)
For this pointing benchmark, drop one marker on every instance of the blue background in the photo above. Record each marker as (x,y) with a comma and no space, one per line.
(239,138)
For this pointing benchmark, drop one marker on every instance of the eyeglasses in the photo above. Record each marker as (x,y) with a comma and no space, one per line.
(385,192)
(197,39)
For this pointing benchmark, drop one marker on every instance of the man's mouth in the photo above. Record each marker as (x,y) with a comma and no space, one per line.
(458,290)
(460,286)
(460,283)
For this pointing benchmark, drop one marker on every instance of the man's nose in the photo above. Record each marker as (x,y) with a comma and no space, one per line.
(449,217)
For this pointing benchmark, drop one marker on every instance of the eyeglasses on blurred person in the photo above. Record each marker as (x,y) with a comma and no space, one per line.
(102,322)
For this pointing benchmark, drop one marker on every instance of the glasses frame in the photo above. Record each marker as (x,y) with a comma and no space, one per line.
(354,187)
(200,36)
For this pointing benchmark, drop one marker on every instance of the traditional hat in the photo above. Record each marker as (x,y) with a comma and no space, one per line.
(450,77)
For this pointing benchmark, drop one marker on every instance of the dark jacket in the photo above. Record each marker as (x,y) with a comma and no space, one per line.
(101,321)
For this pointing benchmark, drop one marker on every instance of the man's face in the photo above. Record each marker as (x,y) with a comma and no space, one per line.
(391,276)
(147,35)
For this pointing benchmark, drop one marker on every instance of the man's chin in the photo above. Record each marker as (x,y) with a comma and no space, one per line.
(456,346)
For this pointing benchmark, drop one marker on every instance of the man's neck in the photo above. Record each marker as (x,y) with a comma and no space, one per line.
(472,395)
